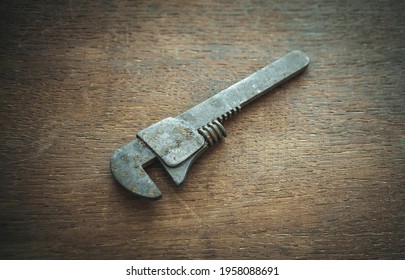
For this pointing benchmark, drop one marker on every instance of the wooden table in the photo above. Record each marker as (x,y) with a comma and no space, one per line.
(314,170)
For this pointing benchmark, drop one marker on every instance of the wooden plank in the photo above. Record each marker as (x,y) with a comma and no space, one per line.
(314,170)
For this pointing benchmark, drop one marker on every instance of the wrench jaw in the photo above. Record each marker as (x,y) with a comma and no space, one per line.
(127,166)
(171,141)
(179,173)
(176,144)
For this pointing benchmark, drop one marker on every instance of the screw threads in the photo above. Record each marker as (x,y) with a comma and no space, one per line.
(229,114)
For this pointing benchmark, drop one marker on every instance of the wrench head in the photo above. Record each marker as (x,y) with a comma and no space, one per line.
(127,166)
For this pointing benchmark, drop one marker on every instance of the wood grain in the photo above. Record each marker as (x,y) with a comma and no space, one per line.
(314,170)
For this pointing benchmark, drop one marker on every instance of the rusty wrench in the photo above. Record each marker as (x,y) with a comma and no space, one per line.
(177,142)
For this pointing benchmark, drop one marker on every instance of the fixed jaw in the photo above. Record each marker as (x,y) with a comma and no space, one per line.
(127,166)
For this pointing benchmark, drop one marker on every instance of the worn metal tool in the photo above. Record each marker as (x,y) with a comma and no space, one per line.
(177,142)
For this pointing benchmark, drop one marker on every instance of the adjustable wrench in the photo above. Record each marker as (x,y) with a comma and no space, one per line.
(177,142)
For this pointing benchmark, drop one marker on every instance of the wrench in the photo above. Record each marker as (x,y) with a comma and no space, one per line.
(177,142)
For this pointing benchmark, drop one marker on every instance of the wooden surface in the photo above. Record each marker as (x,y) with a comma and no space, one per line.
(314,170)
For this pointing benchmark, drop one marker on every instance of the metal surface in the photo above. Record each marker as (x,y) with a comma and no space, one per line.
(173,140)
(177,142)
(127,165)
